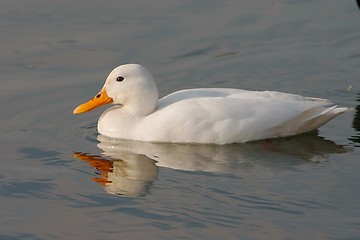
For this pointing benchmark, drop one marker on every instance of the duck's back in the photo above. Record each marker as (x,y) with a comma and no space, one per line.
(231,115)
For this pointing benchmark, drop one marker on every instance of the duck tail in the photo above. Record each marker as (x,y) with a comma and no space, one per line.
(308,120)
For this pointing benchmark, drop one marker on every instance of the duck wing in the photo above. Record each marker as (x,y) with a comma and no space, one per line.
(231,115)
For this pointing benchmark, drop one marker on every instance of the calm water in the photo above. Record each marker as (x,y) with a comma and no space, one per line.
(60,180)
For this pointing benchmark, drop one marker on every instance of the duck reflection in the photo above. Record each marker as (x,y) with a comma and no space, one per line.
(131,177)
(129,168)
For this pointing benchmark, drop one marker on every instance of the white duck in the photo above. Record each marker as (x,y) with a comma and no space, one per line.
(204,115)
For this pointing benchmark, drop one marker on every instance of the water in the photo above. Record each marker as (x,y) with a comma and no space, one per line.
(60,180)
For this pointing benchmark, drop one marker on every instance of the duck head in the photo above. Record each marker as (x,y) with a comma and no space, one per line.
(130,85)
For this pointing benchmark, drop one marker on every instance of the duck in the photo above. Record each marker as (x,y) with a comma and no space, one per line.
(201,115)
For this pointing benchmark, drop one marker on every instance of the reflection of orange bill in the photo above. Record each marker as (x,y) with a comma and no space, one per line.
(103,165)
(99,100)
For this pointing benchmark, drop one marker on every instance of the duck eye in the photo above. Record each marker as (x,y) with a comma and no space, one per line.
(120,79)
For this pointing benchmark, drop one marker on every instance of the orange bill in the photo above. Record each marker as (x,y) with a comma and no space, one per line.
(99,100)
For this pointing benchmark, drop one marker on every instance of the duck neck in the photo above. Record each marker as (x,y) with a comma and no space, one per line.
(142,105)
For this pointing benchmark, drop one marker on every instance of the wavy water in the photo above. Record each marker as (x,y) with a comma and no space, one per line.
(61,180)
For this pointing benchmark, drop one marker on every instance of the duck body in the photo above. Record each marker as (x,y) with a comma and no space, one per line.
(219,116)
(204,115)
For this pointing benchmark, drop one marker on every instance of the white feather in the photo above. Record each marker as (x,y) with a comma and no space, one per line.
(206,115)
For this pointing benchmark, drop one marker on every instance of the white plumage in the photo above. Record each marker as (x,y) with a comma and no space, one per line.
(205,115)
